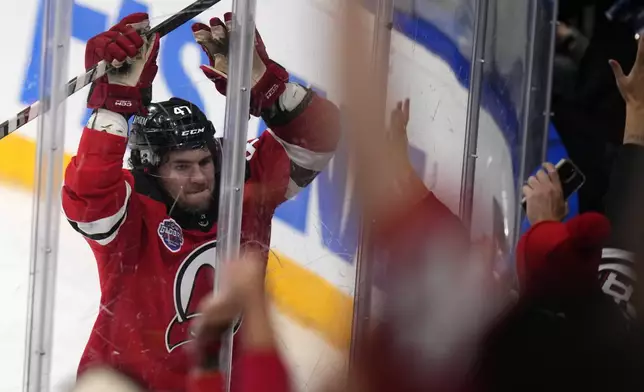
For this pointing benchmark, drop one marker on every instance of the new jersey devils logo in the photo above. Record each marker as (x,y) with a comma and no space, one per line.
(194,280)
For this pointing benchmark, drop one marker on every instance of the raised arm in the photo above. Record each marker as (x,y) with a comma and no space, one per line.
(304,128)
(303,133)
(98,195)
(623,200)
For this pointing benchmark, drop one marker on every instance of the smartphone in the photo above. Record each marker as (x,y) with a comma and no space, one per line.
(570,176)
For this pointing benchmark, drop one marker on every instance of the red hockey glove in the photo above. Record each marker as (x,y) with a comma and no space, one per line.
(128,88)
(268,78)
(560,260)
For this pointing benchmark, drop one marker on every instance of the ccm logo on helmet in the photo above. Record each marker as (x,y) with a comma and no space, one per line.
(193,132)
(123,103)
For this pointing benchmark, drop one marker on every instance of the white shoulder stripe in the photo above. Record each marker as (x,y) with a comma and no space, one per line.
(613,253)
(104,230)
(307,159)
(106,121)
(112,236)
(622,269)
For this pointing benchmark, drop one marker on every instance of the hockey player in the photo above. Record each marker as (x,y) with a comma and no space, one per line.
(153,228)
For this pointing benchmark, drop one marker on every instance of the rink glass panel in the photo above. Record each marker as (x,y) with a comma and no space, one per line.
(514,113)
(430,63)
(513,98)
(17,166)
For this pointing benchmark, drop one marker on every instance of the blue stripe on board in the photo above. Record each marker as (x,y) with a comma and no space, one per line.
(495,99)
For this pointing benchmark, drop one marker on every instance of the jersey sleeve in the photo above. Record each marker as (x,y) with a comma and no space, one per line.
(422,236)
(558,261)
(97,194)
(303,133)
(623,205)
(425,223)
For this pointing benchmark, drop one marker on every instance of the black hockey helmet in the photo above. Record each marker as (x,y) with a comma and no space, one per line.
(171,125)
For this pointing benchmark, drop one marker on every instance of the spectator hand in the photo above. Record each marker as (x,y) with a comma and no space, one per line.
(544,196)
(563,31)
(631,87)
(103,378)
(243,289)
(399,143)
(409,186)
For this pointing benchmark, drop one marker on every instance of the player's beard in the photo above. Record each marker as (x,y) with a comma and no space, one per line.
(197,206)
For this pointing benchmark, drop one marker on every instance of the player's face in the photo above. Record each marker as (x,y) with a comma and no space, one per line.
(189,177)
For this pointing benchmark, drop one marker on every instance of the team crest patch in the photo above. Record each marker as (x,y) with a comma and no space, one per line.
(171,234)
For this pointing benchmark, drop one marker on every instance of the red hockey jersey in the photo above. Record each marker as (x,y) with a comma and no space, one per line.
(154,268)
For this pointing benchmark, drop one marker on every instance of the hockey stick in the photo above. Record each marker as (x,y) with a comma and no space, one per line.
(100,69)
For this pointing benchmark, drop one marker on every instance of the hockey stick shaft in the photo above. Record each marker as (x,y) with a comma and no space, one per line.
(33,111)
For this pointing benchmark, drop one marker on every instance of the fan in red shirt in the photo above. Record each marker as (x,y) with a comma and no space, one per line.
(153,228)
